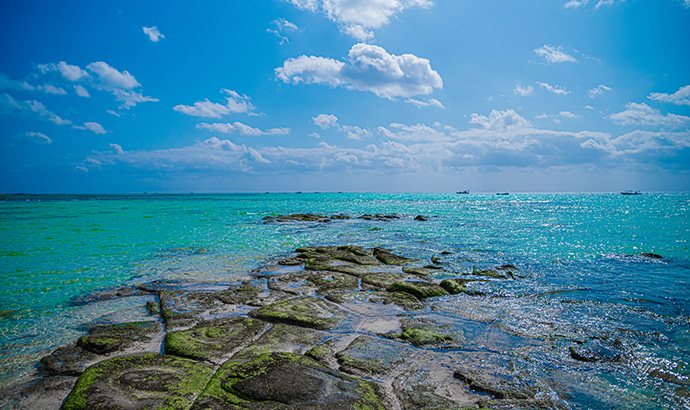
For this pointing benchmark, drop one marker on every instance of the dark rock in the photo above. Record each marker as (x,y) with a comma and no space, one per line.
(108,294)
(414,270)
(379,217)
(309,312)
(652,255)
(141,381)
(421,218)
(436,260)
(427,332)
(110,338)
(421,290)
(67,360)
(454,286)
(296,218)
(670,376)
(319,282)
(433,267)
(281,338)
(594,351)
(287,381)
(153,307)
(341,217)
(213,340)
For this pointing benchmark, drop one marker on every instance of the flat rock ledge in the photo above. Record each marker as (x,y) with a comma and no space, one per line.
(332,327)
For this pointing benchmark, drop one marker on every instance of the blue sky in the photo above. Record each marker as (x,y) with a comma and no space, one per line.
(345,95)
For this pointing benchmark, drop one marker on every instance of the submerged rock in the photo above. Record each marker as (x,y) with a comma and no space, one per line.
(389,258)
(142,381)
(287,381)
(594,352)
(371,356)
(296,218)
(110,338)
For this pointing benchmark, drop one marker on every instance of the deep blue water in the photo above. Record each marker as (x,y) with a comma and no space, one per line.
(579,256)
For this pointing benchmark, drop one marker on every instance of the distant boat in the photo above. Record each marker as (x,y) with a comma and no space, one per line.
(631,193)
(463,192)
(502,193)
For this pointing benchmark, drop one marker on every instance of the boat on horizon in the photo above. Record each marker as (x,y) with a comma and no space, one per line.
(502,193)
(631,193)
(463,192)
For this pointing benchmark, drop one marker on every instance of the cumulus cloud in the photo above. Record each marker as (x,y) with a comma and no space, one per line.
(110,78)
(642,114)
(358,18)
(572,4)
(369,68)
(500,120)
(556,89)
(94,127)
(598,90)
(523,91)
(235,104)
(153,33)
(554,54)
(69,72)
(240,128)
(680,97)
(568,114)
(325,121)
(81,91)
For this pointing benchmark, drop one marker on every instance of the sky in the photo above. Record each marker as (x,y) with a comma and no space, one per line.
(344,95)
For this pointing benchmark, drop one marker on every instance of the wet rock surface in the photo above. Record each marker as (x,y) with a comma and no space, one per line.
(337,327)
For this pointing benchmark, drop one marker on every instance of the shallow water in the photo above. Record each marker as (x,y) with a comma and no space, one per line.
(581,275)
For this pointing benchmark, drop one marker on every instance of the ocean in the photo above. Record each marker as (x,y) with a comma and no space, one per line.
(601,268)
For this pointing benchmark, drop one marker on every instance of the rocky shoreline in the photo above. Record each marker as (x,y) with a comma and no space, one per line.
(330,327)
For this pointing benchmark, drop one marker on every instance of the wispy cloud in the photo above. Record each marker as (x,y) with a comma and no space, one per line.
(153,33)
(593,92)
(94,127)
(31,108)
(523,91)
(280,27)
(240,128)
(369,68)
(680,97)
(235,104)
(554,54)
(556,89)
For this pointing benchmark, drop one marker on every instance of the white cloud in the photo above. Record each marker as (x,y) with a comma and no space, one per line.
(369,68)
(81,91)
(94,127)
(523,91)
(556,89)
(680,97)
(500,120)
(325,120)
(355,133)
(153,33)
(10,106)
(111,112)
(35,138)
(131,98)
(7,83)
(431,102)
(416,133)
(568,114)
(69,72)
(235,104)
(51,89)
(357,18)
(281,26)
(554,54)
(575,4)
(110,78)
(598,90)
(242,129)
(603,3)
(642,114)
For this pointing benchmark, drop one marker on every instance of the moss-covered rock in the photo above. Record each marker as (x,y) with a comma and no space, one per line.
(389,258)
(382,280)
(313,282)
(281,338)
(415,270)
(110,338)
(287,381)
(454,286)
(140,381)
(426,332)
(213,340)
(309,312)
(68,360)
(419,289)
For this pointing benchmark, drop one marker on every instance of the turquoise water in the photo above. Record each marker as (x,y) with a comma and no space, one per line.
(579,255)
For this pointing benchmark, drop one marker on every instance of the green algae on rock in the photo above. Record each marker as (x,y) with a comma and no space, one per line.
(419,289)
(427,332)
(213,340)
(140,381)
(372,356)
(109,338)
(307,311)
(287,381)
(281,338)
(389,258)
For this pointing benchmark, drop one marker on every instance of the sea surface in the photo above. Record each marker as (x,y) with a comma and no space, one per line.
(582,275)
